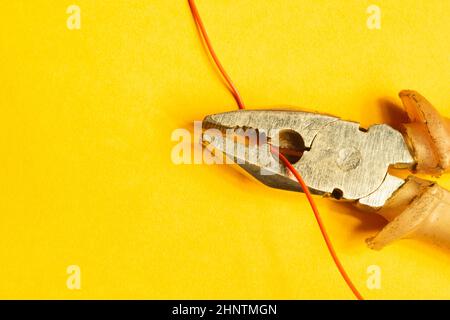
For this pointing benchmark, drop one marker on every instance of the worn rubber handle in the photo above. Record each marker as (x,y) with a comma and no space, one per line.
(419,209)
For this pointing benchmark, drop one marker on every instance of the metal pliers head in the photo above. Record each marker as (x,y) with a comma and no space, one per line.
(335,157)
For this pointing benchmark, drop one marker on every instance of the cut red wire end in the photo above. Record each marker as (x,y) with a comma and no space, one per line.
(286,162)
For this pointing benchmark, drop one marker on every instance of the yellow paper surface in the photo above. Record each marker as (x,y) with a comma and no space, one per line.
(86,176)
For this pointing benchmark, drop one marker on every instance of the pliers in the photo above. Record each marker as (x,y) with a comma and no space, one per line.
(341,160)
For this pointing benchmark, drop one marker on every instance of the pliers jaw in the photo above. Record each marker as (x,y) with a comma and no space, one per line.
(291,132)
(335,157)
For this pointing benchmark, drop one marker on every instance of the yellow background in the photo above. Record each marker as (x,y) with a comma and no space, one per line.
(86,118)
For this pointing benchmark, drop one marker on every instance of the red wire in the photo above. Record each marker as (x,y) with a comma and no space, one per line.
(286,162)
(322,228)
(199,22)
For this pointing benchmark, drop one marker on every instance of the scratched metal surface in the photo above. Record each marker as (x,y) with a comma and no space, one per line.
(340,158)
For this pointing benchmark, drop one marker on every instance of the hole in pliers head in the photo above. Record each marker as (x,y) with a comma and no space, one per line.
(291,145)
